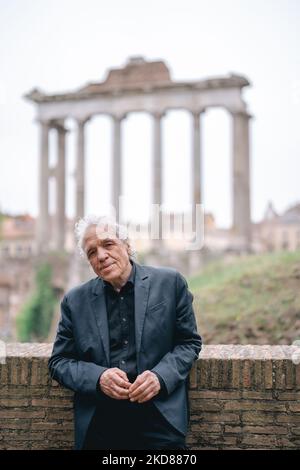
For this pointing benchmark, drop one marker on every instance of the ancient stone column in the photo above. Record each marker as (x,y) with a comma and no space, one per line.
(241,180)
(157,197)
(43,218)
(80,170)
(60,173)
(117,189)
(196,163)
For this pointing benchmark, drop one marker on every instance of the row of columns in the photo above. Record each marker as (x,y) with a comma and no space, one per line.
(241,175)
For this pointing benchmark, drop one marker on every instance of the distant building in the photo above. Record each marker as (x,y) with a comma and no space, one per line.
(279,232)
(17,236)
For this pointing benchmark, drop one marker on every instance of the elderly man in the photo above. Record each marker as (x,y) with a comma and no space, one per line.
(125,344)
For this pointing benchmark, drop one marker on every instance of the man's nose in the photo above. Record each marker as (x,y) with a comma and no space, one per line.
(101,253)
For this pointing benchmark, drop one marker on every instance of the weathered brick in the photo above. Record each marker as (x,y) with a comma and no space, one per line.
(289,418)
(280,374)
(291,443)
(294,407)
(193,377)
(67,436)
(13,403)
(220,417)
(15,424)
(221,395)
(205,405)
(203,374)
(295,430)
(21,414)
(258,381)
(23,391)
(226,377)
(202,427)
(4,380)
(46,403)
(61,392)
(246,374)
(254,405)
(48,425)
(258,441)
(39,373)
(257,417)
(16,445)
(268,375)
(290,375)
(216,373)
(24,371)
(236,373)
(58,414)
(265,429)
(14,370)
(297,374)
(233,429)
(255,395)
(288,396)
(25,436)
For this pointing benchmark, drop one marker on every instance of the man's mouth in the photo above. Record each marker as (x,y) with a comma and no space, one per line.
(104,268)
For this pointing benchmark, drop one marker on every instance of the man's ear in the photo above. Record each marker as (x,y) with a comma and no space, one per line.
(128,248)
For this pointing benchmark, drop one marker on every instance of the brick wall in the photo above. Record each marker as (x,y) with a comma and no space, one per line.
(241,397)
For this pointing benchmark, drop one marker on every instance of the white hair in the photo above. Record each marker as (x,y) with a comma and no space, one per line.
(104,224)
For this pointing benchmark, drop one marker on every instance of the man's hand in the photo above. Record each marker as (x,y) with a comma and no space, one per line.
(114,383)
(145,387)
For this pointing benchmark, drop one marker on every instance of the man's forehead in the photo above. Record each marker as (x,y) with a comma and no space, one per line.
(97,232)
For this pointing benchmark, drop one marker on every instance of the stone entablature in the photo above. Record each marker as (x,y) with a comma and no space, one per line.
(141,86)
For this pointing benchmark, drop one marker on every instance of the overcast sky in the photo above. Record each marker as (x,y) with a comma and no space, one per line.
(59,45)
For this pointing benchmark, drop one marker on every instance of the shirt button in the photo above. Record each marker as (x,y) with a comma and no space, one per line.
(122,298)
(125,342)
(122,362)
(124,319)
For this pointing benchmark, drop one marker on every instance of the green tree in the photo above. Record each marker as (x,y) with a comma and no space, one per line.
(34,320)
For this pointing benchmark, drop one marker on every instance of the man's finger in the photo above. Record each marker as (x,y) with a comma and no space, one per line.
(120,391)
(147,397)
(121,382)
(150,389)
(122,374)
(141,391)
(138,381)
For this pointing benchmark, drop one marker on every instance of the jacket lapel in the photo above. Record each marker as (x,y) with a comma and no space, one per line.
(100,312)
(141,293)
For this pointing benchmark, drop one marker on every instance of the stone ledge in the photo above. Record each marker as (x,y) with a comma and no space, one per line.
(241,397)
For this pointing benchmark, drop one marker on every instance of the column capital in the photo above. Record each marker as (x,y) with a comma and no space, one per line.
(158,114)
(43,122)
(59,125)
(82,120)
(118,117)
(240,113)
(197,112)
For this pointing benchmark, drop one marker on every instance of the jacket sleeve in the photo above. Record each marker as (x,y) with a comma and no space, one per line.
(175,366)
(64,364)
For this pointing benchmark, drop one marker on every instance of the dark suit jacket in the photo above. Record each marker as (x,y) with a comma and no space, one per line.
(166,342)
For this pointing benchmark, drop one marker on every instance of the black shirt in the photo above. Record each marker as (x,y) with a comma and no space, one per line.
(120,315)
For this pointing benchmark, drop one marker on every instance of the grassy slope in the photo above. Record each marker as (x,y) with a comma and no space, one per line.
(255,299)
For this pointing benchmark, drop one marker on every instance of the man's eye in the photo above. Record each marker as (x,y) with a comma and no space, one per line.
(91,253)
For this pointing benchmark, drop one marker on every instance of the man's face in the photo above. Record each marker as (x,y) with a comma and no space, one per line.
(107,254)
